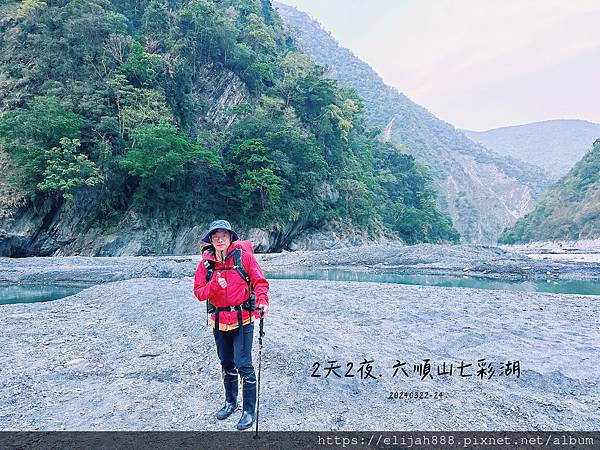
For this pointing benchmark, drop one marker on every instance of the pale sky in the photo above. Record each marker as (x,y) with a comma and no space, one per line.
(478,64)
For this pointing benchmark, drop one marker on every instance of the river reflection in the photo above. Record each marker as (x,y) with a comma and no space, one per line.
(553,286)
(18,293)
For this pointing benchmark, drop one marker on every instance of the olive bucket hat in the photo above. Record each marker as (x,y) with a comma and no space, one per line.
(219,225)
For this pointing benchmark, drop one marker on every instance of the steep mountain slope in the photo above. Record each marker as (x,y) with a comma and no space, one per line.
(125,127)
(570,210)
(553,145)
(481,190)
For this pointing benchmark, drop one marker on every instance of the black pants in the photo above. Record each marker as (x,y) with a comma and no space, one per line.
(233,354)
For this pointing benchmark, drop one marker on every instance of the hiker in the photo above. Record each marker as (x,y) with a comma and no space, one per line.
(231,280)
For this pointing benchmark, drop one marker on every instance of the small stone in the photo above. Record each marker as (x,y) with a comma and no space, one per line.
(75,362)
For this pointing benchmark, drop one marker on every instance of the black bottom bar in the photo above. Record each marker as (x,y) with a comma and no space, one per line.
(105,440)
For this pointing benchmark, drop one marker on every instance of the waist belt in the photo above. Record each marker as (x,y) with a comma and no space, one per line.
(230,308)
(249,305)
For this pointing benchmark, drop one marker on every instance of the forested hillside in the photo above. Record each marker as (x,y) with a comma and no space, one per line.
(481,190)
(569,211)
(553,145)
(126,126)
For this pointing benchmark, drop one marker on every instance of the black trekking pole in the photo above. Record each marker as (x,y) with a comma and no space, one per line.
(261,333)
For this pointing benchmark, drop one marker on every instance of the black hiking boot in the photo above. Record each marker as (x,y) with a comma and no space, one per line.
(230,382)
(249,406)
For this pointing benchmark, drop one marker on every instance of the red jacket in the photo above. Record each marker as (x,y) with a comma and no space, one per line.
(237,290)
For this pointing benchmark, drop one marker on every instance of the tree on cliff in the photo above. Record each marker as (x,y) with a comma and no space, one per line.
(118,97)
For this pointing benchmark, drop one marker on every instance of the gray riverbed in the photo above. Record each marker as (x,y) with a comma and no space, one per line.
(134,353)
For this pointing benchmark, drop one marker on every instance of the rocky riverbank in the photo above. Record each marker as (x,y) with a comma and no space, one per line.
(136,354)
(426,259)
(585,250)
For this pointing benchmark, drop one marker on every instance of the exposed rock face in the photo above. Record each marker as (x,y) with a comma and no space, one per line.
(225,92)
(277,238)
(15,235)
(330,237)
(472,186)
(65,229)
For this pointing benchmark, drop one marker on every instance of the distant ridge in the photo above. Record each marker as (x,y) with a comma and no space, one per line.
(554,145)
(570,210)
(483,192)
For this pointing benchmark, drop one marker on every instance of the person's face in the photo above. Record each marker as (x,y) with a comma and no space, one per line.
(220,240)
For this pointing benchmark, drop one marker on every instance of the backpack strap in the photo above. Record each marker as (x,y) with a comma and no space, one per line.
(210,269)
(239,266)
(249,304)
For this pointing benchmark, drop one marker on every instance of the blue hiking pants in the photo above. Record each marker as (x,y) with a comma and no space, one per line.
(234,348)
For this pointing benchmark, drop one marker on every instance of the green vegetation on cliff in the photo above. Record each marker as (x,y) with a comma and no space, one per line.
(569,211)
(196,109)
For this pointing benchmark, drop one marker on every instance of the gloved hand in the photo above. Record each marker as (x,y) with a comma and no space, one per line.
(222,281)
(264,308)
